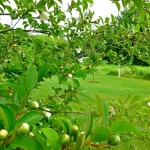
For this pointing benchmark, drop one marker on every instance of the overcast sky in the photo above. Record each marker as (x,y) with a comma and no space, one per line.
(103,8)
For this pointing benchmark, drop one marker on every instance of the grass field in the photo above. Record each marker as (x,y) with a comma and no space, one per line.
(109,87)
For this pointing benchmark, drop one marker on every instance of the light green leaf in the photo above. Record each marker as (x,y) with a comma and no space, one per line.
(76,83)
(89,1)
(31,78)
(89,122)
(81,74)
(100,134)
(31,117)
(123,126)
(7,117)
(25,142)
(52,138)
(66,124)
(139,4)
(15,98)
(103,110)
(137,28)
(62,79)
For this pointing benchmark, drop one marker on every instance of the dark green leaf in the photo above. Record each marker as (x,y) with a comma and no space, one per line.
(43,70)
(7,117)
(41,4)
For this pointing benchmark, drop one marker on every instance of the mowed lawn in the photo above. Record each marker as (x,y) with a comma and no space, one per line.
(116,87)
(108,87)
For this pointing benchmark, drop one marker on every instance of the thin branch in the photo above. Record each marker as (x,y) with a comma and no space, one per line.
(67,112)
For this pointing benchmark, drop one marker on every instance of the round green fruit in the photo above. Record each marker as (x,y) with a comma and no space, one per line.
(34,105)
(23,129)
(3,134)
(114,140)
(65,139)
(74,129)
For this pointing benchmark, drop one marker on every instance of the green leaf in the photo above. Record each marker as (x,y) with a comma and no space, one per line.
(118,5)
(20,31)
(8,8)
(89,1)
(80,140)
(31,78)
(103,110)
(123,126)
(100,134)
(15,98)
(88,123)
(41,4)
(66,124)
(7,117)
(112,19)
(142,16)
(76,83)
(31,117)
(139,4)
(16,88)
(81,73)
(41,139)
(25,142)
(62,79)
(52,138)
(42,72)
(137,28)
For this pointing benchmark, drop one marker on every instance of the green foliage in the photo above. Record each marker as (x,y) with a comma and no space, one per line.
(27,61)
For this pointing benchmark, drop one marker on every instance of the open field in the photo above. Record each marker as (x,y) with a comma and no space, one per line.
(109,87)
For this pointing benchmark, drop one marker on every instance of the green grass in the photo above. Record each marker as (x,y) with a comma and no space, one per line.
(107,86)
(115,87)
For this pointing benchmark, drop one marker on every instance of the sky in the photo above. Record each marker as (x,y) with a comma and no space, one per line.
(103,8)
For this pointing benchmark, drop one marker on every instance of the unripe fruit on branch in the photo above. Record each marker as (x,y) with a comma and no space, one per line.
(69,75)
(34,105)
(65,139)
(114,140)
(31,134)
(3,134)
(23,129)
(74,129)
